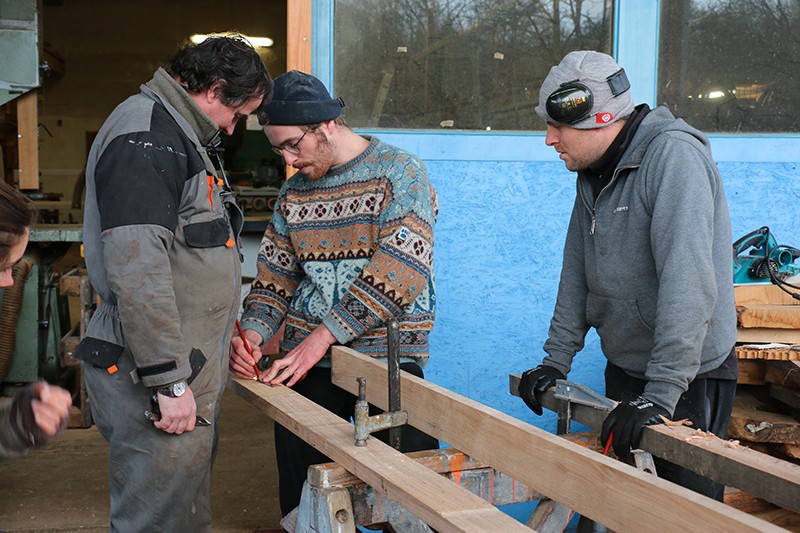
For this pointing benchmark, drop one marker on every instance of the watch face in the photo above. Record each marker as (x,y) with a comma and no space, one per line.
(179,388)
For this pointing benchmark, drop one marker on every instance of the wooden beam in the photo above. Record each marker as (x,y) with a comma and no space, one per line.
(755,421)
(370,508)
(607,491)
(786,373)
(763,294)
(767,335)
(28,140)
(437,501)
(751,372)
(768,316)
(442,461)
(759,474)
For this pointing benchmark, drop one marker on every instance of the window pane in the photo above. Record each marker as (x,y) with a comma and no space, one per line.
(462,64)
(731,65)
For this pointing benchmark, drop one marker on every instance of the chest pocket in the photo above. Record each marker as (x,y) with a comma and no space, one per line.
(208,234)
(214,232)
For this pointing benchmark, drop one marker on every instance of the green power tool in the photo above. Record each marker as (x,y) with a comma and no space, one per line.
(758,258)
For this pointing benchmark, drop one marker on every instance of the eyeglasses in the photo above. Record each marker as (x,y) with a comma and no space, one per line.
(292,148)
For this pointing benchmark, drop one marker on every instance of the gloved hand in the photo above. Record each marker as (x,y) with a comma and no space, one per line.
(627,421)
(536,381)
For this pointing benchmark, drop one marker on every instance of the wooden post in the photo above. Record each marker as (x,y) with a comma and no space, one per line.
(298,43)
(298,35)
(28,140)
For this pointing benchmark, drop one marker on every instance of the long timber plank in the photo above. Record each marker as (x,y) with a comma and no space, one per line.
(616,495)
(756,473)
(437,501)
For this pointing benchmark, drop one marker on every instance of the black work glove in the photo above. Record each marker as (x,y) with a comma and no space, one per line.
(627,422)
(536,381)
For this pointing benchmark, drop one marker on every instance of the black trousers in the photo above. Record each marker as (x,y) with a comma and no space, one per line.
(294,455)
(708,403)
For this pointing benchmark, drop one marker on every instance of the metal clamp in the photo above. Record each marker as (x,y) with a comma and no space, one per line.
(394,418)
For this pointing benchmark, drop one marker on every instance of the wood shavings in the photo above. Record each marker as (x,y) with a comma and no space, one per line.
(706,437)
(700,435)
(682,422)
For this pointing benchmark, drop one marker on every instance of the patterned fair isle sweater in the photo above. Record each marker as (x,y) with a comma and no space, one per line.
(351,250)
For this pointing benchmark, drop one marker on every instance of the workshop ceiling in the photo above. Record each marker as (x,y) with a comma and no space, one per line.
(110,47)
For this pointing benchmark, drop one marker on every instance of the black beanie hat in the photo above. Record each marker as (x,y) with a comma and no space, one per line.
(299,99)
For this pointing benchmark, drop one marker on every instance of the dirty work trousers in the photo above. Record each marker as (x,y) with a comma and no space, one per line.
(294,455)
(158,481)
(708,403)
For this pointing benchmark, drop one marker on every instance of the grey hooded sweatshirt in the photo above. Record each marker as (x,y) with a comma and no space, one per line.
(648,264)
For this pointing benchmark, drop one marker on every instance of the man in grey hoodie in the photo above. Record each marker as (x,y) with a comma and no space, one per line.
(647,261)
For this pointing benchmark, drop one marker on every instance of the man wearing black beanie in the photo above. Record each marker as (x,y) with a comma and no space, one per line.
(350,246)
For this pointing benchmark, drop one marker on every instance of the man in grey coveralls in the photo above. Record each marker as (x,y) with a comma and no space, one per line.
(161,246)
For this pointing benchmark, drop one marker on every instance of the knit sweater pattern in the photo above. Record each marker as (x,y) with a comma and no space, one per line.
(351,250)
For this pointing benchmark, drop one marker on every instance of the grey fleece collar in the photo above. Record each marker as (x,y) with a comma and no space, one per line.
(170,91)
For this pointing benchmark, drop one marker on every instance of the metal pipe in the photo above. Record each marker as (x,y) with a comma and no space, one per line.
(393,334)
(361,414)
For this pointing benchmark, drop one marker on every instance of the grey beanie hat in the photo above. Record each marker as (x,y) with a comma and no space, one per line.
(592,69)
(299,99)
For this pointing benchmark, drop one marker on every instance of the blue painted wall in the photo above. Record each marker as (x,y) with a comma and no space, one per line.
(499,240)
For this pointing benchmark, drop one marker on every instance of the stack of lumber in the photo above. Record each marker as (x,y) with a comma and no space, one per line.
(767,315)
(766,414)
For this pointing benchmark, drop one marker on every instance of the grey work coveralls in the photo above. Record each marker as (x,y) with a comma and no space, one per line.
(162,254)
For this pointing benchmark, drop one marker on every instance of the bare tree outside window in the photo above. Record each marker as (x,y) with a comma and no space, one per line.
(731,65)
(461,64)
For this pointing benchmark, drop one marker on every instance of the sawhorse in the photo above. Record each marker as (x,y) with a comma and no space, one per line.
(334,500)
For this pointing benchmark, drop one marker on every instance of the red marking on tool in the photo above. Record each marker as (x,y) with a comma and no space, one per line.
(247,347)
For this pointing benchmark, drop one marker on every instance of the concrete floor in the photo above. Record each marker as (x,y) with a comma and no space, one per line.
(64,488)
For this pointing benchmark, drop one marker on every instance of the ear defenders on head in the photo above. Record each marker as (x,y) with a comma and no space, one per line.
(573,101)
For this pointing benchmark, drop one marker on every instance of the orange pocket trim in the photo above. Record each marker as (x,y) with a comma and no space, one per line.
(112,369)
(211,180)
(230,242)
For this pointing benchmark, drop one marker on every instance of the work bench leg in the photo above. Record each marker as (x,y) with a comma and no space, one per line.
(323,511)
(550,517)
(404,522)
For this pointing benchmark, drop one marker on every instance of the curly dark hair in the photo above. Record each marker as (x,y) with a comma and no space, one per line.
(228,59)
(17,214)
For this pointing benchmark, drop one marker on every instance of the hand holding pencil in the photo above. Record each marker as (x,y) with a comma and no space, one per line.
(245,354)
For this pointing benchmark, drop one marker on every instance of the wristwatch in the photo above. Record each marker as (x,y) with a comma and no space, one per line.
(173,390)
